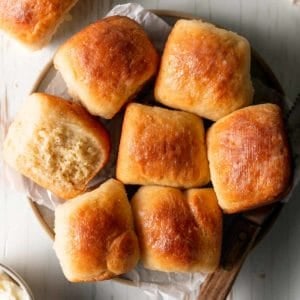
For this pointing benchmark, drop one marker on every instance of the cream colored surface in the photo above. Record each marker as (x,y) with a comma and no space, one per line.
(204,70)
(272,271)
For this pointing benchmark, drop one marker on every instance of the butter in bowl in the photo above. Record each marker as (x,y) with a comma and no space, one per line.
(12,286)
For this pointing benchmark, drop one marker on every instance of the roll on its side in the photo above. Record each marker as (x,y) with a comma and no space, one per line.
(107,63)
(163,147)
(204,70)
(57,144)
(33,22)
(94,237)
(249,158)
(178,231)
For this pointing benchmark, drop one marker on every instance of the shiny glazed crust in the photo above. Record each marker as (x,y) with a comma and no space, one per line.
(57,144)
(161,146)
(178,231)
(94,237)
(107,63)
(249,158)
(33,22)
(204,70)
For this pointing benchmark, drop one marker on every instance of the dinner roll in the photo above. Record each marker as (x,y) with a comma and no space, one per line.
(33,22)
(204,70)
(161,146)
(57,144)
(94,237)
(249,158)
(178,231)
(106,64)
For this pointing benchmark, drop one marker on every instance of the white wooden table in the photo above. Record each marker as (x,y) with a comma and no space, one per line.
(273,269)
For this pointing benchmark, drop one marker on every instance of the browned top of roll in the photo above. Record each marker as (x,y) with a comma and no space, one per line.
(161,146)
(204,70)
(94,237)
(107,63)
(178,231)
(33,21)
(249,157)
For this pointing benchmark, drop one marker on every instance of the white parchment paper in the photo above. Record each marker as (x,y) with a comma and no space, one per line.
(156,284)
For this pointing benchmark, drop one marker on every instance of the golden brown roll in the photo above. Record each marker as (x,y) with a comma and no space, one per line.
(57,144)
(249,158)
(204,70)
(94,237)
(178,231)
(106,64)
(33,22)
(161,146)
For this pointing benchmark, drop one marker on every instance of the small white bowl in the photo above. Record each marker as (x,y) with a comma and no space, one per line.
(18,279)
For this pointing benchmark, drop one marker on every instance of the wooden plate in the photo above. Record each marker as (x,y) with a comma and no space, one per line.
(241,231)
